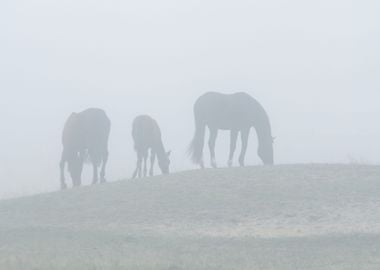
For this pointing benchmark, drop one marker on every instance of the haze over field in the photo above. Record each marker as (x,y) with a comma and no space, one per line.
(313,65)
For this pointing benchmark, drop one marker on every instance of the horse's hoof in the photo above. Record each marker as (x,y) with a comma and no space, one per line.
(202,164)
(242,163)
(229,164)
(213,164)
(63,187)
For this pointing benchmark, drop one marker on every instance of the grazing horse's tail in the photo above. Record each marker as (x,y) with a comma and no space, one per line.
(195,150)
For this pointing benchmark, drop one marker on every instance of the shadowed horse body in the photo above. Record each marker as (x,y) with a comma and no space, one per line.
(147,136)
(85,136)
(234,112)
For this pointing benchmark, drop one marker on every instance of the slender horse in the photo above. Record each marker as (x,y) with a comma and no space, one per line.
(147,136)
(237,113)
(85,136)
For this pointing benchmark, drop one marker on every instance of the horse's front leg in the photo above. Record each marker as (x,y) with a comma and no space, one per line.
(152,161)
(137,172)
(145,158)
(103,171)
(211,144)
(234,134)
(95,178)
(244,146)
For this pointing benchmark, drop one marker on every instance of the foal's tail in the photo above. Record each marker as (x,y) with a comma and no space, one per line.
(195,150)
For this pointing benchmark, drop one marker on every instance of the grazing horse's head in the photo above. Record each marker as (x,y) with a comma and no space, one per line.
(265,151)
(75,165)
(164,163)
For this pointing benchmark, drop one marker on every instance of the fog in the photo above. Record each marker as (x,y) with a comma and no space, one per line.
(313,65)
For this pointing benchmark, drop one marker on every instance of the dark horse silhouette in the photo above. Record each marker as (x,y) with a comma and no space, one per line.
(147,135)
(236,112)
(85,135)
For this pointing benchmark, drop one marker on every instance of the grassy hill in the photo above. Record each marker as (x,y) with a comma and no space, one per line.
(284,217)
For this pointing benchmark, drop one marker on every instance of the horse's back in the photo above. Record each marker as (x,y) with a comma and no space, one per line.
(145,131)
(226,111)
(89,128)
(95,117)
(145,123)
(216,97)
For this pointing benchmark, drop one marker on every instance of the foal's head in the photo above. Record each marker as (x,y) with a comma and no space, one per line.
(164,163)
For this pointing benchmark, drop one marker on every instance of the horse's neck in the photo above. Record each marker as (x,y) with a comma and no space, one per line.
(159,148)
(263,128)
(263,135)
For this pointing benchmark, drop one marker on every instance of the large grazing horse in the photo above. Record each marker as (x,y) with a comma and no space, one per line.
(147,135)
(85,136)
(235,112)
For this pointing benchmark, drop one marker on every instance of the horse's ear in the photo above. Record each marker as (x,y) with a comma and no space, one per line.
(168,153)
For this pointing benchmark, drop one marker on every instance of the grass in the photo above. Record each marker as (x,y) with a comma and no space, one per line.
(283,217)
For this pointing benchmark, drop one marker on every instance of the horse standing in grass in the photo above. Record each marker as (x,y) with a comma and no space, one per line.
(85,136)
(147,136)
(237,113)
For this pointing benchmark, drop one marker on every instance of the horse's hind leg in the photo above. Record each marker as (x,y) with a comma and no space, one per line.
(244,146)
(211,144)
(104,165)
(62,168)
(152,161)
(140,160)
(234,134)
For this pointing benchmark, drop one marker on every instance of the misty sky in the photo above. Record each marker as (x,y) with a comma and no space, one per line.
(314,65)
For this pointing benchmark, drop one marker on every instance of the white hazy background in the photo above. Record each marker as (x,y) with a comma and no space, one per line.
(314,65)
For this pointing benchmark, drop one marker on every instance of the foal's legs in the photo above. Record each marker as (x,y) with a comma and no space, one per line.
(145,157)
(62,167)
(234,134)
(104,164)
(244,145)
(211,144)
(152,161)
